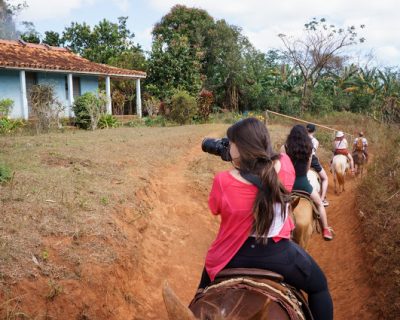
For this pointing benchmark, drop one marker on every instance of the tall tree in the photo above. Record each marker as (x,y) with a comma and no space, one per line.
(319,48)
(192,23)
(225,65)
(178,51)
(106,40)
(173,67)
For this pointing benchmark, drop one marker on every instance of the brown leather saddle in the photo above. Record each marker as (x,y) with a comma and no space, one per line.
(250,294)
(295,197)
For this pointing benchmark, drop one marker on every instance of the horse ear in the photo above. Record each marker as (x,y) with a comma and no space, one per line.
(175,308)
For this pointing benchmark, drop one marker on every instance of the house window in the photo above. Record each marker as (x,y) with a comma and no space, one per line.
(76,85)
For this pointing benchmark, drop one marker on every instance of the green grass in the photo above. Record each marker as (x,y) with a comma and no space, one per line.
(5,173)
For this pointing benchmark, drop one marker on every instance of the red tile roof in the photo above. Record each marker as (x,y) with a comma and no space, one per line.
(29,56)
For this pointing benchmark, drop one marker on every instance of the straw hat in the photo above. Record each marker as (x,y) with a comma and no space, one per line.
(339,134)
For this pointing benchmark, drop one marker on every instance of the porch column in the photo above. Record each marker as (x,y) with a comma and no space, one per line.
(70,95)
(138,99)
(108,94)
(24,99)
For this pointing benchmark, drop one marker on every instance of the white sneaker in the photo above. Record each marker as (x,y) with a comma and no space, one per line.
(325,202)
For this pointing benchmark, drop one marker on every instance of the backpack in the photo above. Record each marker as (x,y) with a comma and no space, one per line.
(359,145)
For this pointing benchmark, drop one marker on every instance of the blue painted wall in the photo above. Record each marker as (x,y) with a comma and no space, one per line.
(10,89)
(89,84)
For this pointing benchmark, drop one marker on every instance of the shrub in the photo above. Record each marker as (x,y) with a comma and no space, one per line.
(183,107)
(118,100)
(45,106)
(5,173)
(88,109)
(204,102)
(151,105)
(321,103)
(6,107)
(158,121)
(135,123)
(108,121)
(10,125)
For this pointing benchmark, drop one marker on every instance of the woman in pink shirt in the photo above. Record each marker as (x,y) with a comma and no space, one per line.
(252,200)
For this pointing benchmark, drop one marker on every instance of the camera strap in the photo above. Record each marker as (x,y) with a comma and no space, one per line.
(252,178)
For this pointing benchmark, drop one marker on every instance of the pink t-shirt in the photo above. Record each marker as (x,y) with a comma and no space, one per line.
(233,200)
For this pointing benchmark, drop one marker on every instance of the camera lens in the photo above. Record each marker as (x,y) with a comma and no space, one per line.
(218,147)
(210,145)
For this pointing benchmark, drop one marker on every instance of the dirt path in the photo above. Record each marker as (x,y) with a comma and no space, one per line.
(180,230)
(342,259)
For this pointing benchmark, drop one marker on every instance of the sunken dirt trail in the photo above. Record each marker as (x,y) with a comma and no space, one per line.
(181,228)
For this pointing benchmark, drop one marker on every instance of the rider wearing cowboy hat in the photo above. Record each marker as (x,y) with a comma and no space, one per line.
(340,146)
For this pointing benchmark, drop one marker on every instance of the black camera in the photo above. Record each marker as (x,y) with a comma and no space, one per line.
(218,147)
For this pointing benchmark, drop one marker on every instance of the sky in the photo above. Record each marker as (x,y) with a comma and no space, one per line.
(260,20)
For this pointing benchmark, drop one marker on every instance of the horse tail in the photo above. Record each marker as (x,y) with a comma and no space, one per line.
(340,177)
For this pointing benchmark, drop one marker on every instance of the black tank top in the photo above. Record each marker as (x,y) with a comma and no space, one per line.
(300,167)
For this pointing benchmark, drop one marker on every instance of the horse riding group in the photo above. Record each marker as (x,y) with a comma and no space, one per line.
(344,160)
(270,204)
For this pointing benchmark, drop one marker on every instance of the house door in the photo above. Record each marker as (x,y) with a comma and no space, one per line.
(31,80)
(76,86)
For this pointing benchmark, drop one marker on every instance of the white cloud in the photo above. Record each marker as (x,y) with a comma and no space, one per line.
(144,37)
(122,4)
(38,10)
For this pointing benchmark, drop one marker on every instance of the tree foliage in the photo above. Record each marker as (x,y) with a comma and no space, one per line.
(183,107)
(30,34)
(190,51)
(173,67)
(100,44)
(52,38)
(318,50)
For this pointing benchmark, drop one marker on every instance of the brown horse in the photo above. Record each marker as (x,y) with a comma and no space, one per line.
(304,212)
(359,161)
(239,294)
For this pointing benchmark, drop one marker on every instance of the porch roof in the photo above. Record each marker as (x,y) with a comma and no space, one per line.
(41,57)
